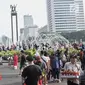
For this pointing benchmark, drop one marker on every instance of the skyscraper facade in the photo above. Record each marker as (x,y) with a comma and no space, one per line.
(28,20)
(29,30)
(64,15)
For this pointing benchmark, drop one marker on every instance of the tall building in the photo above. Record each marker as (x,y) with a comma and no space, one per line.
(21,34)
(28,20)
(64,15)
(29,30)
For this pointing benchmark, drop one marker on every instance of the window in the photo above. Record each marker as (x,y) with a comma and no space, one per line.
(64,15)
(65,18)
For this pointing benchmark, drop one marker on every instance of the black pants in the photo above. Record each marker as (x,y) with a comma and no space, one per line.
(55,72)
(71,83)
(64,63)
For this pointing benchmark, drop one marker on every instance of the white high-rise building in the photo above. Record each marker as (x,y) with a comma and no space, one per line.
(29,30)
(65,15)
(28,20)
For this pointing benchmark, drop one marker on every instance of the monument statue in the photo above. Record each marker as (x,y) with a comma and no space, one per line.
(14,13)
(13,8)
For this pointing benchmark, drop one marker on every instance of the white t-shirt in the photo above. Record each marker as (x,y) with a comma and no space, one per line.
(45,58)
(64,58)
(72,67)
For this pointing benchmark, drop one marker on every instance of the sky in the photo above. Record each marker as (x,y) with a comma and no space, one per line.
(36,8)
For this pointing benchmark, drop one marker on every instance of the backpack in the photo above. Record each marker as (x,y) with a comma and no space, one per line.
(41,64)
(44,62)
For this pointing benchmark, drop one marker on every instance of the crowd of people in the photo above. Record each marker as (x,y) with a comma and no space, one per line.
(43,68)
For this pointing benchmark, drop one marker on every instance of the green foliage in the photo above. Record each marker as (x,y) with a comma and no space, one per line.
(9,53)
(32,52)
(50,52)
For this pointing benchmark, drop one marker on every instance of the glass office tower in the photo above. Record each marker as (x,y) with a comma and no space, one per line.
(65,15)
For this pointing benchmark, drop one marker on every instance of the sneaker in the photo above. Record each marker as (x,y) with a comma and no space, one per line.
(56,79)
(59,81)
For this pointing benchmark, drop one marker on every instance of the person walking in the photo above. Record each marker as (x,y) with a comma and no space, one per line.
(31,73)
(56,65)
(22,61)
(46,60)
(15,59)
(83,60)
(82,54)
(38,61)
(64,59)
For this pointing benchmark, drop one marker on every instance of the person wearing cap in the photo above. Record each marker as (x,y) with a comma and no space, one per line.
(73,66)
(31,73)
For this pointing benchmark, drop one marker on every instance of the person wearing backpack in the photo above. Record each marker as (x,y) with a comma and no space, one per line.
(46,60)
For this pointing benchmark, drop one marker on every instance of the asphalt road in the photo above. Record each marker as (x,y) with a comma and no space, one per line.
(11,77)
